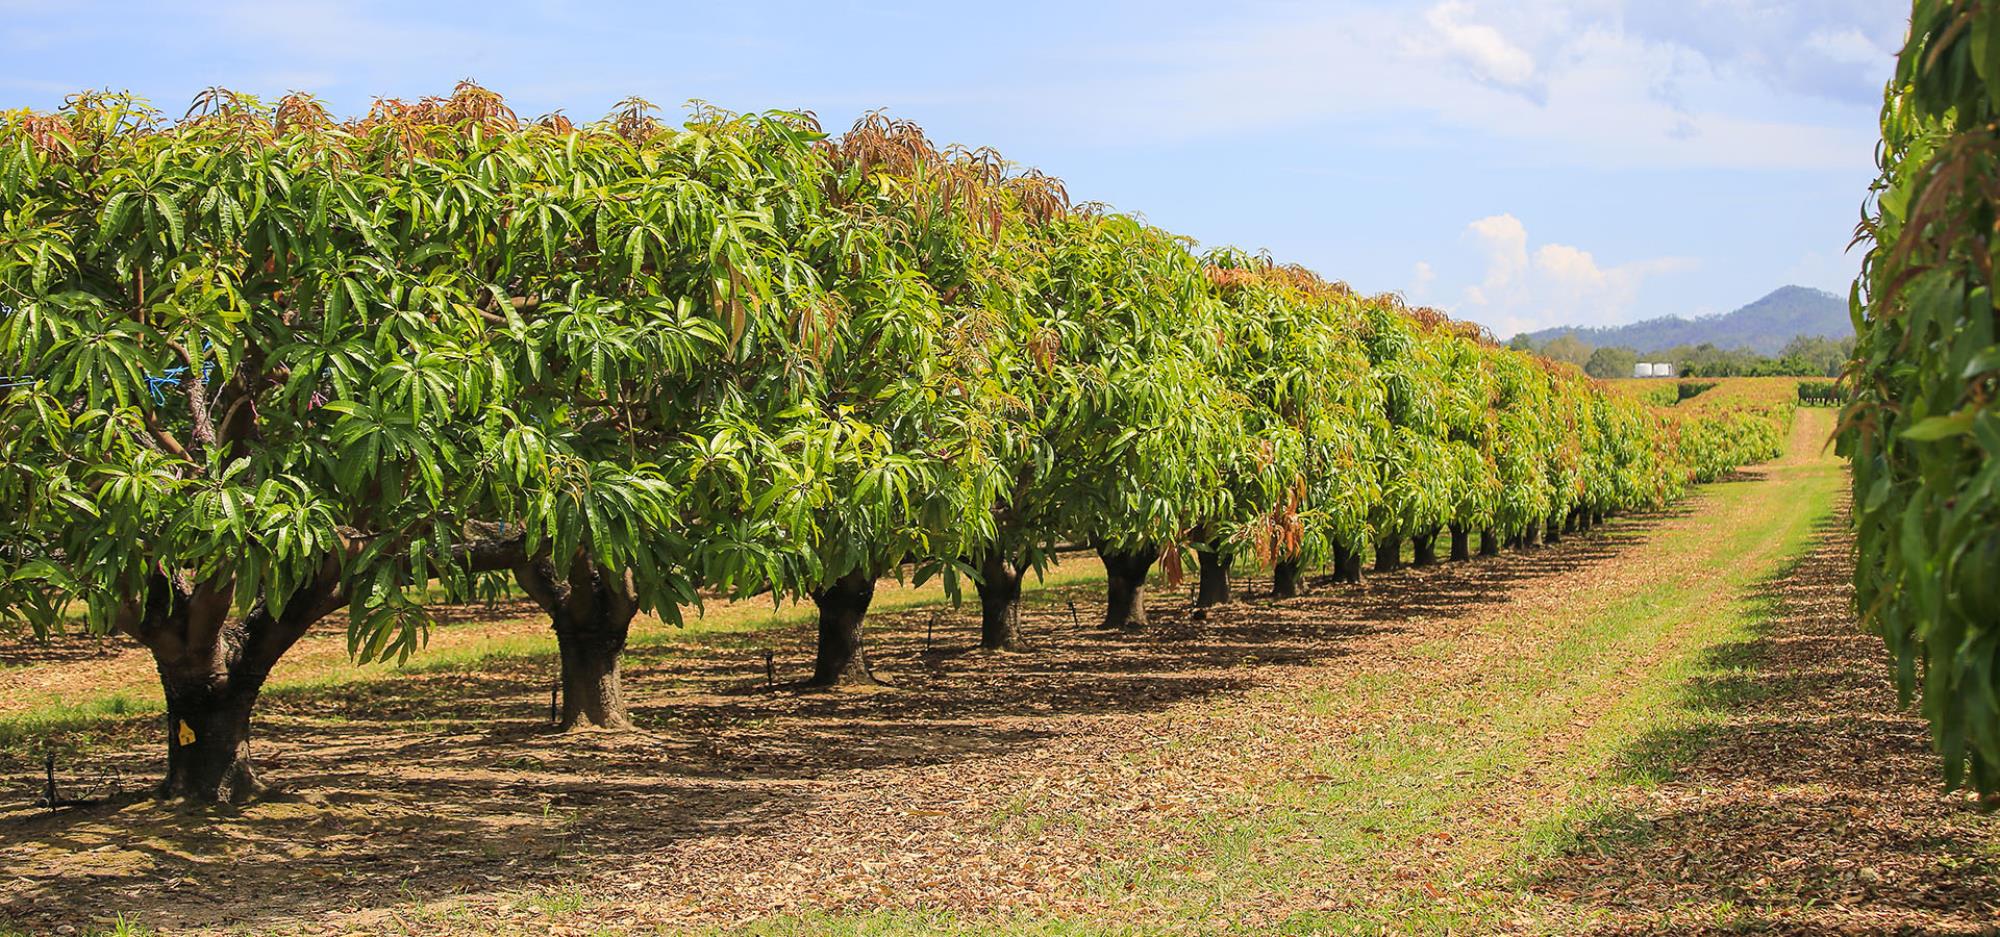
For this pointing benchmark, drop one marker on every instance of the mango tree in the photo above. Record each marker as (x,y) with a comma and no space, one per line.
(1418,480)
(1923,428)
(245,414)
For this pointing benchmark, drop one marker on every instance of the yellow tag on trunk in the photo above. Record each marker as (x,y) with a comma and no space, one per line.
(187,734)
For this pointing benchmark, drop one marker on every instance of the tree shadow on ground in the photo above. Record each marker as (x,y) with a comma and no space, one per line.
(448,781)
(1810,803)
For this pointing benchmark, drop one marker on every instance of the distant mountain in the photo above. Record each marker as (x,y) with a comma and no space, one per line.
(1763,326)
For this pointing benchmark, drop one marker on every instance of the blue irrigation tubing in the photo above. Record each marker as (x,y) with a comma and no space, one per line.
(172,377)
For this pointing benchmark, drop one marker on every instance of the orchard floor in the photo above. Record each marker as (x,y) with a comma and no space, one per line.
(1668,726)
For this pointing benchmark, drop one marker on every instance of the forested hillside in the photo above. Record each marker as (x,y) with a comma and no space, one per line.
(1764,326)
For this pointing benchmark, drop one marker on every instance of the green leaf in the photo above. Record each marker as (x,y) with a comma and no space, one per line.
(1938,428)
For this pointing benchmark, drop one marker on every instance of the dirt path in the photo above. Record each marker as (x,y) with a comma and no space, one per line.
(1419,753)
(1814,807)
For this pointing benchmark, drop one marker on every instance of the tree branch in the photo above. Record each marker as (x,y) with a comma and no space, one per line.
(197,394)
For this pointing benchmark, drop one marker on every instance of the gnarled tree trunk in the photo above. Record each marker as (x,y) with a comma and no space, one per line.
(842,660)
(1425,551)
(999,601)
(1285,579)
(1215,561)
(212,667)
(1125,585)
(213,664)
(208,728)
(1489,542)
(1461,543)
(591,609)
(1389,554)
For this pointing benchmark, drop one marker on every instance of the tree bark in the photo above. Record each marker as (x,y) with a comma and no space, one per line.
(212,667)
(1597,518)
(593,694)
(1489,542)
(1215,562)
(1425,549)
(1285,579)
(1571,525)
(1346,564)
(1461,543)
(1389,554)
(1532,537)
(842,659)
(208,729)
(1125,585)
(591,610)
(213,663)
(999,601)
(1555,529)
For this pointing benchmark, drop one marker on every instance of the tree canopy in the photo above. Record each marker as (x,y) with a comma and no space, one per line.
(266,365)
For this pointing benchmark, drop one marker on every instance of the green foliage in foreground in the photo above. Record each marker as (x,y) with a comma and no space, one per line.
(1923,428)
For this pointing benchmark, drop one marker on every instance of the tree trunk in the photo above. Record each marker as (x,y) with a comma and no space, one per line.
(1215,563)
(1532,537)
(212,665)
(1125,585)
(208,730)
(591,610)
(1489,542)
(1346,564)
(1389,554)
(1555,529)
(1461,543)
(842,660)
(1285,579)
(1597,518)
(1425,549)
(1571,524)
(999,602)
(592,693)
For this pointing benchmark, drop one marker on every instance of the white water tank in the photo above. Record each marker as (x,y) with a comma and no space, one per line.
(1642,369)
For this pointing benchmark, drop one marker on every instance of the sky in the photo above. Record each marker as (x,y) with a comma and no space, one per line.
(1520,164)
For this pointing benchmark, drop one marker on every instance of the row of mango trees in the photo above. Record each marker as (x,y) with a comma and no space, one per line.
(1923,427)
(264,367)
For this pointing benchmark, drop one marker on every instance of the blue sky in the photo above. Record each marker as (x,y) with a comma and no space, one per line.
(1519,164)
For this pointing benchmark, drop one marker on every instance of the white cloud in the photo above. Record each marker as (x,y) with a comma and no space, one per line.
(1604,84)
(1554,284)
(1421,278)
(1504,239)
(1488,51)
